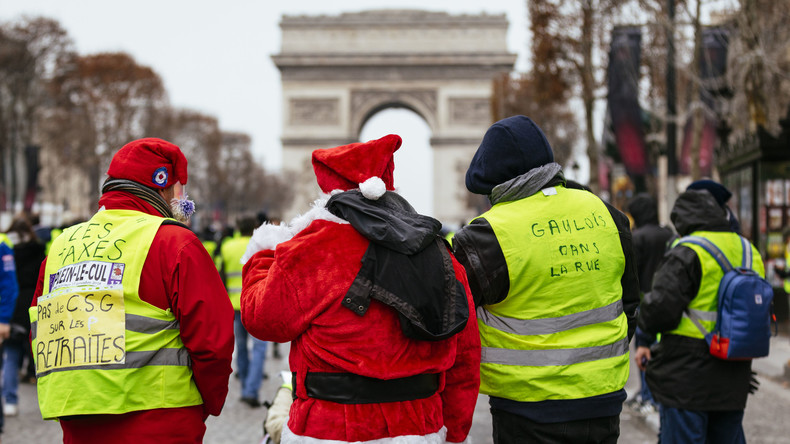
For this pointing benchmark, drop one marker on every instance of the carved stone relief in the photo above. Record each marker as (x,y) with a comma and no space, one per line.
(469,111)
(314,112)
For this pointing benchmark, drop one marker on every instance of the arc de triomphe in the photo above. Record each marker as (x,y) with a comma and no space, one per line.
(338,71)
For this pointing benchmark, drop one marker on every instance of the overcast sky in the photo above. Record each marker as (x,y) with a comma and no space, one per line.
(215,57)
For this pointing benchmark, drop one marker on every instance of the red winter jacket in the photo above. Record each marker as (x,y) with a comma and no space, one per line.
(294,294)
(180,275)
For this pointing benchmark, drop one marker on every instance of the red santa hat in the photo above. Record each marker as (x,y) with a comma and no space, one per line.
(368,166)
(152,162)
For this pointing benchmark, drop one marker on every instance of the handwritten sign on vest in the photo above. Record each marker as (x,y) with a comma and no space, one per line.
(81,322)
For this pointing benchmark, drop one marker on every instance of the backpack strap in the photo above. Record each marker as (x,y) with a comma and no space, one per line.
(713,250)
(747,253)
(725,265)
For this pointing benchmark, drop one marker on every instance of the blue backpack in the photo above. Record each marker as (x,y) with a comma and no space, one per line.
(744,314)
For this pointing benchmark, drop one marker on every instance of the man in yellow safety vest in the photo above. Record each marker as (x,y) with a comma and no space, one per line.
(553,275)
(249,362)
(132,328)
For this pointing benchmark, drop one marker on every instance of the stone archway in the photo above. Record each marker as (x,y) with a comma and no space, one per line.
(337,71)
(414,161)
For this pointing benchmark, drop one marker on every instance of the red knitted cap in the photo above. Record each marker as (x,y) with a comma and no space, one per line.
(345,167)
(151,162)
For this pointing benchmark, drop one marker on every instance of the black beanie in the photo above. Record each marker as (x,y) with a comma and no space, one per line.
(719,191)
(510,148)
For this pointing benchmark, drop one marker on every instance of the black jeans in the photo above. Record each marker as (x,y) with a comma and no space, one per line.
(510,428)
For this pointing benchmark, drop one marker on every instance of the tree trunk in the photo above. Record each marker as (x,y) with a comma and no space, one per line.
(698,117)
(588,92)
(753,86)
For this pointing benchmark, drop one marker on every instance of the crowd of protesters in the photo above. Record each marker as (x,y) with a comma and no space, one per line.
(127,322)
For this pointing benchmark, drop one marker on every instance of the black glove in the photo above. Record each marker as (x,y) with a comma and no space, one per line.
(754,384)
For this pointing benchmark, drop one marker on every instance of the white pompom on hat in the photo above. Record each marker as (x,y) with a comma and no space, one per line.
(373,188)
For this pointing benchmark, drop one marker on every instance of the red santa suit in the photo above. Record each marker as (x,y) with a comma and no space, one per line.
(302,291)
(178,275)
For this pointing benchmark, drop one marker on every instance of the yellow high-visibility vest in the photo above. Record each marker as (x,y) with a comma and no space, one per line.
(705,302)
(561,332)
(98,347)
(231,251)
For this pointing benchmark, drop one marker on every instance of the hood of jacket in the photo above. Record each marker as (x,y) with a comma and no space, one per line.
(644,210)
(389,221)
(697,210)
(527,184)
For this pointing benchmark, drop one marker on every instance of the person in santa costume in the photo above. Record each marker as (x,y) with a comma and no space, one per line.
(384,339)
(134,331)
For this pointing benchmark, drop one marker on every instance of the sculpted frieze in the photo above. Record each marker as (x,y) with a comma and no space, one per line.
(314,111)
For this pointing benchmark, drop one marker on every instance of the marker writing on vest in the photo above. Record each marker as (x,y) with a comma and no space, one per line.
(578,249)
(89,251)
(578,266)
(88,227)
(89,306)
(567,226)
(90,349)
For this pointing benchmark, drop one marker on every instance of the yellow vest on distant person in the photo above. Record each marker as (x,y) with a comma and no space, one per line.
(211,248)
(53,234)
(99,348)
(4,239)
(787,267)
(232,250)
(561,333)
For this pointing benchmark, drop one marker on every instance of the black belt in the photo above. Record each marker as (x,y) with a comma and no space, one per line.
(348,388)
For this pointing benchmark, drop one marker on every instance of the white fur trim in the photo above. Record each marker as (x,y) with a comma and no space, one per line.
(268,236)
(289,437)
(317,211)
(373,188)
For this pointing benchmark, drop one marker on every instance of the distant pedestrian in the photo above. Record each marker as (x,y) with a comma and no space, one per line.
(208,237)
(702,398)
(29,252)
(43,232)
(552,271)
(651,241)
(134,329)
(384,341)
(9,289)
(250,361)
(722,196)
(784,272)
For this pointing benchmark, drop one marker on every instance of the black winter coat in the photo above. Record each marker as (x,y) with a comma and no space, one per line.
(27,258)
(477,248)
(650,239)
(682,373)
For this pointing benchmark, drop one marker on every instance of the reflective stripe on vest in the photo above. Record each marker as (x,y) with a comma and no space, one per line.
(561,332)
(93,337)
(232,250)
(705,303)
(707,316)
(551,325)
(139,324)
(165,356)
(554,357)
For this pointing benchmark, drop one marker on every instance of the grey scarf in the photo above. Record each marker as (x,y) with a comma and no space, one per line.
(526,184)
